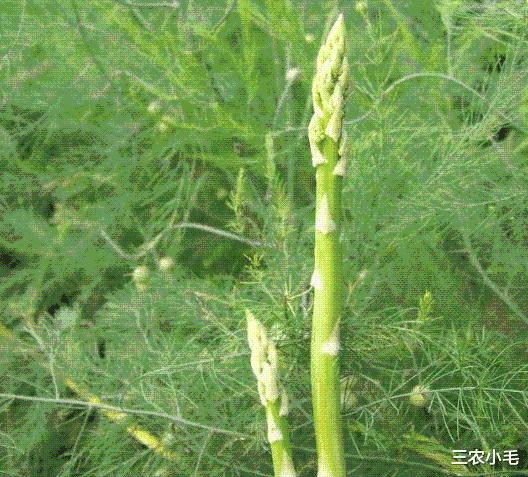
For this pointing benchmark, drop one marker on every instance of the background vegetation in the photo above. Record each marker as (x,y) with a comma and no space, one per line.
(122,122)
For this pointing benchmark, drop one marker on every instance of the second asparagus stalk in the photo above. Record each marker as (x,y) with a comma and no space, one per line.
(264,365)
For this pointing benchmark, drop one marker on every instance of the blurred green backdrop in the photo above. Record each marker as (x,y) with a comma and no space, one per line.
(136,130)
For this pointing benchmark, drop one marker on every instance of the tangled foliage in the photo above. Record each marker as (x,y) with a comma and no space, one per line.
(133,131)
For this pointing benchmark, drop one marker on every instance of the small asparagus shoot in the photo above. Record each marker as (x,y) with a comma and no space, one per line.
(274,400)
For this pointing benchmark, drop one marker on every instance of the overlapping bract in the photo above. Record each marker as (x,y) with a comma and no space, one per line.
(263,359)
(329,90)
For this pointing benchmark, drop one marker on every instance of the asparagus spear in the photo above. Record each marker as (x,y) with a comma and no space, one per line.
(264,365)
(328,144)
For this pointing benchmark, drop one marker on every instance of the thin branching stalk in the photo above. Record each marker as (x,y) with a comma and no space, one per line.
(328,144)
(149,246)
(112,413)
(274,400)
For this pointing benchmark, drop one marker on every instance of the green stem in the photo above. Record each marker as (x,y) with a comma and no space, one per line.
(281,452)
(328,147)
(328,297)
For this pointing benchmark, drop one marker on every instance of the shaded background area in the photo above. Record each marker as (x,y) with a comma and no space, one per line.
(136,130)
